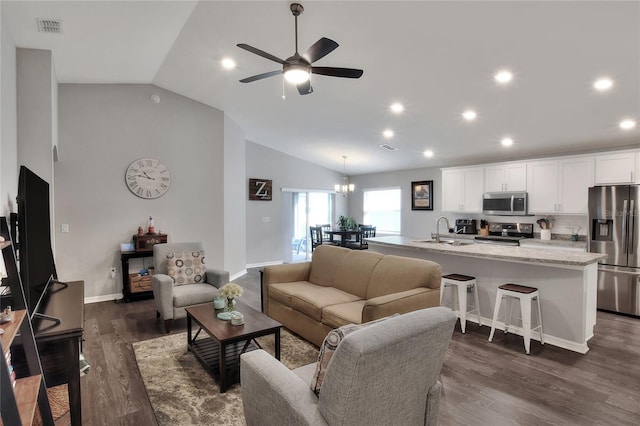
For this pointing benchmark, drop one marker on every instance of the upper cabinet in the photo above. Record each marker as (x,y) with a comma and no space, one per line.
(616,168)
(559,186)
(462,189)
(506,177)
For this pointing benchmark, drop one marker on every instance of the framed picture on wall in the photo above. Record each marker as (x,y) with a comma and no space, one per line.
(422,195)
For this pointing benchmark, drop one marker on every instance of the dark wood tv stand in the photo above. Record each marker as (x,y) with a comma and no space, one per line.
(59,344)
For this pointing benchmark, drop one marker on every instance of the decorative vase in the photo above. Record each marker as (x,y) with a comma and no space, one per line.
(230,305)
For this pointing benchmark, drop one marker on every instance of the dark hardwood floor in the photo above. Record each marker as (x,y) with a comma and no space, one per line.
(484,383)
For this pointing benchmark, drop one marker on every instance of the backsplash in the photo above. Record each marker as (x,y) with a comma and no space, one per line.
(563,224)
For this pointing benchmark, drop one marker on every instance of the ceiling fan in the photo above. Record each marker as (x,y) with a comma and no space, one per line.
(298,69)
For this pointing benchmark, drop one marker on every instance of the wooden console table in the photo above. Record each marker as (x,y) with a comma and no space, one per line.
(59,344)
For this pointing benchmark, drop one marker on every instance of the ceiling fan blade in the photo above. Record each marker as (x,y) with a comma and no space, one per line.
(320,49)
(305,88)
(261,53)
(337,72)
(260,76)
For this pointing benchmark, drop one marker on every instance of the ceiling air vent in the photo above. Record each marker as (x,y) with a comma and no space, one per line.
(388,147)
(50,26)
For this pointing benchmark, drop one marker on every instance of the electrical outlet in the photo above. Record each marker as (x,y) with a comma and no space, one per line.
(112,272)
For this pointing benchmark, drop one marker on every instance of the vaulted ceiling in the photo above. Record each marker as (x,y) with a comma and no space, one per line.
(438,58)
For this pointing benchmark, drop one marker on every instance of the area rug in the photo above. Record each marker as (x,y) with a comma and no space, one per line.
(183,393)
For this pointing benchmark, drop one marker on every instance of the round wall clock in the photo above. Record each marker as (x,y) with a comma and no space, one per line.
(148,178)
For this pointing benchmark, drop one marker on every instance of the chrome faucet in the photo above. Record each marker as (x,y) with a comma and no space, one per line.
(438,227)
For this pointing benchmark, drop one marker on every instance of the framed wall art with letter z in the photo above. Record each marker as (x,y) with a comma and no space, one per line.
(260,189)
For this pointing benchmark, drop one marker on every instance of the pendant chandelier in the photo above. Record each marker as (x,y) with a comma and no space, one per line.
(345,187)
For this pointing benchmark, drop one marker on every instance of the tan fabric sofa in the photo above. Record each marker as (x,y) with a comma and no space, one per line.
(340,286)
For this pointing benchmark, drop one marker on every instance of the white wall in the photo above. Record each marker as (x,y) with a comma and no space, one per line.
(8,129)
(264,239)
(103,128)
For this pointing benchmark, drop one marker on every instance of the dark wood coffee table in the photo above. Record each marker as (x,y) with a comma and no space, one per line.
(220,352)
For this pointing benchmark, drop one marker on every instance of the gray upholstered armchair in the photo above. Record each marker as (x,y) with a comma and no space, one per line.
(181,280)
(386,373)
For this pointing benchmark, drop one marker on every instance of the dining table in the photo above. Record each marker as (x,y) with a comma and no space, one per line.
(345,235)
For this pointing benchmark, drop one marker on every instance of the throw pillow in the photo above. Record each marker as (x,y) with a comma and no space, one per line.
(329,347)
(187,267)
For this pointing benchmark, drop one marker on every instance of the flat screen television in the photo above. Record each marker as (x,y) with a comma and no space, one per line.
(37,265)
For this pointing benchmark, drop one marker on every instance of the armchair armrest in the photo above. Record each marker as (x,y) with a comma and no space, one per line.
(163,294)
(401,302)
(274,395)
(217,277)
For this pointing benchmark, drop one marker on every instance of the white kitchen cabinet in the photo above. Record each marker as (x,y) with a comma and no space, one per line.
(615,168)
(542,184)
(462,189)
(506,177)
(576,176)
(559,186)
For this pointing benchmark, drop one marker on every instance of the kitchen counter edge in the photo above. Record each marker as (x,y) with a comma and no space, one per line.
(498,252)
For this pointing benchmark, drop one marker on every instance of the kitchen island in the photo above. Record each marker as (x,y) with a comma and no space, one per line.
(567,281)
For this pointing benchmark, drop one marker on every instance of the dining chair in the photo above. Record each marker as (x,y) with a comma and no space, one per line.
(325,228)
(368,231)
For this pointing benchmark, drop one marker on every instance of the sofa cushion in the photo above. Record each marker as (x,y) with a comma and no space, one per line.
(329,347)
(311,302)
(283,292)
(324,263)
(186,267)
(345,313)
(394,274)
(355,271)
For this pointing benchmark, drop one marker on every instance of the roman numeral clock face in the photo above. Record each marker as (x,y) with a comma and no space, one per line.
(148,178)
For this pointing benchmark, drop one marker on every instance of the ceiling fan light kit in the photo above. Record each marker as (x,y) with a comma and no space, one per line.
(297,69)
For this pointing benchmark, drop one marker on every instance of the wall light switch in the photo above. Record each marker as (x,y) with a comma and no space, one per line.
(65,227)
(266,219)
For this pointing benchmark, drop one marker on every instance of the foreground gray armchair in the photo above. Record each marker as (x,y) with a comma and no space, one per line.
(172,297)
(383,374)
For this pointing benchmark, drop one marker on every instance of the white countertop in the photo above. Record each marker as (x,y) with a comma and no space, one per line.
(491,251)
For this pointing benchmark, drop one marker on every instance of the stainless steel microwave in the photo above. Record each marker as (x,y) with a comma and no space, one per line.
(505,203)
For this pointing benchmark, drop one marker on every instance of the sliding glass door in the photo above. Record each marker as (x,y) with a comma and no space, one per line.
(309,209)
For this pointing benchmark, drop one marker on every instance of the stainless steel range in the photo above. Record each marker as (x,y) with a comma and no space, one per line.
(508,234)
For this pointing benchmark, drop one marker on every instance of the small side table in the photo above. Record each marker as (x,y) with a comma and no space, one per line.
(127,293)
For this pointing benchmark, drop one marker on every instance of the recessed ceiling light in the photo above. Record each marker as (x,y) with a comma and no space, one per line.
(469,115)
(603,84)
(428,153)
(397,107)
(503,76)
(506,141)
(627,124)
(388,133)
(228,63)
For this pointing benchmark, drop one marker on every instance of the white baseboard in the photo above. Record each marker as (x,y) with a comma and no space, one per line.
(238,275)
(259,265)
(105,298)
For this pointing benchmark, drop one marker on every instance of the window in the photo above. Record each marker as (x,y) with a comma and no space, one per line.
(382,210)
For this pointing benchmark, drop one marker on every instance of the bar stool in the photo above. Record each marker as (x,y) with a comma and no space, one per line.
(526,295)
(462,283)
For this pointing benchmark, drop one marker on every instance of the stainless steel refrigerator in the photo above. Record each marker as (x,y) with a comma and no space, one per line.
(614,230)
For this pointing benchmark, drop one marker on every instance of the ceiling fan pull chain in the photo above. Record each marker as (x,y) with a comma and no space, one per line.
(283,96)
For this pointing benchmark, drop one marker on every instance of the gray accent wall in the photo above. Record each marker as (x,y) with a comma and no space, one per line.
(103,129)
(264,223)
(8,126)
(235,194)
(414,223)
